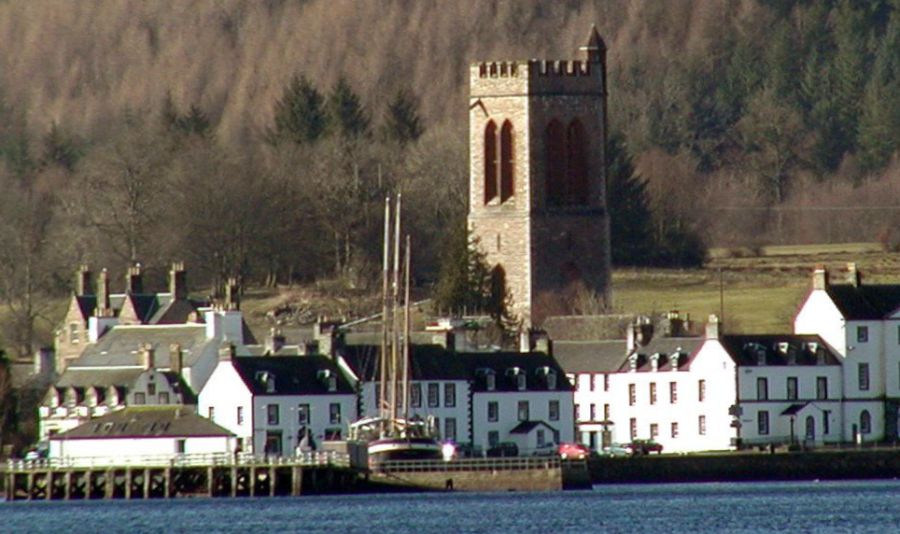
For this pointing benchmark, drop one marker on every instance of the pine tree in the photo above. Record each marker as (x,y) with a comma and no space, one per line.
(464,279)
(59,149)
(630,218)
(195,122)
(402,122)
(300,114)
(347,111)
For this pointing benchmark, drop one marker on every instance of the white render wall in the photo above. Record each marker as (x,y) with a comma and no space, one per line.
(460,411)
(225,391)
(289,420)
(126,449)
(590,392)
(508,416)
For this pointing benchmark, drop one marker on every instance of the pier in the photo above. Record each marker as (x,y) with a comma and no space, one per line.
(201,475)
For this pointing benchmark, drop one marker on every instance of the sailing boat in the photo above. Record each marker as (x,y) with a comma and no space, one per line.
(393,435)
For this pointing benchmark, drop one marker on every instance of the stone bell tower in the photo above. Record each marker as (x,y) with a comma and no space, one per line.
(537,187)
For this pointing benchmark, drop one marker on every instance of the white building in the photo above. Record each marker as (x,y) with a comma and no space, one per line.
(861,322)
(275,404)
(141,436)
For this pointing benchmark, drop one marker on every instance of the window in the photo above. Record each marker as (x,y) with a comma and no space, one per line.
(865,422)
(701,390)
(73,333)
(593,412)
(490,381)
(415,395)
(792,388)
(632,395)
(273,440)
(863,376)
(632,427)
(605,382)
(151,389)
(523,410)
(551,381)
(862,334)
(507,161)
(450,428)
(606,412)
(493,438)
(332,434)
(520,381)
(180,446)
(434,392)
(553,410)
(701,425)
(272,414)
(762,388)
(493,409)
(450,395)
(577,412)
(590,381)
(654,430)
(652,392)
(576,164)
(674,430)
(762,423)
(240,415)
(334,413)
(164,397)
(822,387)
(810,427)
(826,421)
(303,414)
(211,413)
(490,162)
(673,392)
(541,438)
(140,398)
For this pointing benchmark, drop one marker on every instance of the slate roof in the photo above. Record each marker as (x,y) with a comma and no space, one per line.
(527,426)
(83,378)
(434,362)
(151,308)
(587,327)
(119,346)
(866,301)
(807,350)
(299,375)
(146,422)
(665,347)
(590,356)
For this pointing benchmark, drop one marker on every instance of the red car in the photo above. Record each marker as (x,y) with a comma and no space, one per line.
(573,451)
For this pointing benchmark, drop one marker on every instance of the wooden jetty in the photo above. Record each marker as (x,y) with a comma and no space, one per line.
(185,476)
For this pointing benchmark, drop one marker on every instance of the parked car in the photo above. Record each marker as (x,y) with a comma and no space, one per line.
(503,449)
(645,446)
(618,449)
(573,451)
(467,450)
(548,449)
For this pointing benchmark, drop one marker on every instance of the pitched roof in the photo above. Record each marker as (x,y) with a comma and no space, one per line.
(291,375)
(527,426)
(83,378)
(427,362)
(146,422)
(119,346)
(779,349)
(590,356)
(587,327)
(865,301)
(665,347)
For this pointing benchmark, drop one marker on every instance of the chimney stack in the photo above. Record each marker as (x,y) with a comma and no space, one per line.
(83,281)
(103,308)
(232,294)
(820,278)
(178,281)
(134,282)
(147,356)
(274,341)
(176,358)
(713,327)
(853,275)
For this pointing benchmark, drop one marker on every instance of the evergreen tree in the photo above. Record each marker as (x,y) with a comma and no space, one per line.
(464,279)
(195,122)
(59,149)
(850,67)
(879,130)
(630,218)
(402,122)
(347,111)
(300,114)
(169,114)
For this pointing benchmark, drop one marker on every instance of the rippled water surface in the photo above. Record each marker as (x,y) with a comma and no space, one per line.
(870,506)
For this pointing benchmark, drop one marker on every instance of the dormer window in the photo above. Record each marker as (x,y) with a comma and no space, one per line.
(551,380)
(520,381)
(675,359)
(654,362)
(490,381)
(632,362)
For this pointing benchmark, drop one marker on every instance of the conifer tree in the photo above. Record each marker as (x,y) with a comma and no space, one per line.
(59,149)
(300,114)
(464,279)
(630,218)
(347,112)
(402,122)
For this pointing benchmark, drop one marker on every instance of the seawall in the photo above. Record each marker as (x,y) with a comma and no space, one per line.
(735,467)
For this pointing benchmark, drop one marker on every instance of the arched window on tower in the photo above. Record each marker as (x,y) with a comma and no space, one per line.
(507,156)
(496,305)
(576,168)
(554,163)
(490,162)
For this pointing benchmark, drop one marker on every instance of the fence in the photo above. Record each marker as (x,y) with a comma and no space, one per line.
(468,464)
(318,458)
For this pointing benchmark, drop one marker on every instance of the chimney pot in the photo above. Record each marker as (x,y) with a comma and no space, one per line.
(820,278)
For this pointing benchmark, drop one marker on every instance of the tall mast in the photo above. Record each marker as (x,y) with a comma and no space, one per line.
(385,308)
(406,274)
(395,308)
